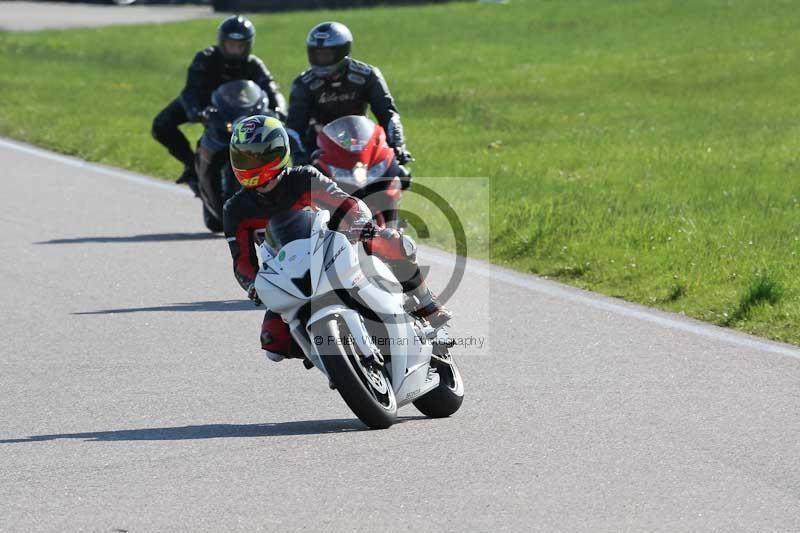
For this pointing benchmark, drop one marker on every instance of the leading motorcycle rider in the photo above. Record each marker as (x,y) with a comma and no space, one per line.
(259,153)
(337,85)
(230,59)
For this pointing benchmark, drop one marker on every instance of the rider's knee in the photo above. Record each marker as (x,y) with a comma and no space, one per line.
(159,127)
(275,336)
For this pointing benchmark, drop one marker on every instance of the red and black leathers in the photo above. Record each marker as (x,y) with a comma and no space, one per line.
(326,99)
(247,213)
(208,70)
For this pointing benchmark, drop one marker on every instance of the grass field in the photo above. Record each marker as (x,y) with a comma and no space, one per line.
(644,149)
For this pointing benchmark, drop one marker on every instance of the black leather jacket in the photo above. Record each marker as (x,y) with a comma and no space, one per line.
(325,100)
(209,70)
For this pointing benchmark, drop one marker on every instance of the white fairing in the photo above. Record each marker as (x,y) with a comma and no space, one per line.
(334,263)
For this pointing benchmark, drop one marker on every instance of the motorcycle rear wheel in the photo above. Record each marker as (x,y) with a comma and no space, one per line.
(365,387)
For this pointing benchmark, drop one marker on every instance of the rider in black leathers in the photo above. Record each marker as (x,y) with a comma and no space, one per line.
(229,59)
(335,86)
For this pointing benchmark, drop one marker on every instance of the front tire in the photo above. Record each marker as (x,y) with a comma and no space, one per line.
(213,224)
(229,185)
(365,387)
(445,399)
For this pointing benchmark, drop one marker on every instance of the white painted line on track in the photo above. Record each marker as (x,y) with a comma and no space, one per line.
(606,303)
(94,167)
(481,268)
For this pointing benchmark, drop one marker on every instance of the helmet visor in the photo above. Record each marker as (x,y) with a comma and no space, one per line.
(322,57)
(234,48)
(256,177)
(326,56)
(256,155)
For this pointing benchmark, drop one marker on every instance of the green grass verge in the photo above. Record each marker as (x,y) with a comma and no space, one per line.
(646,149)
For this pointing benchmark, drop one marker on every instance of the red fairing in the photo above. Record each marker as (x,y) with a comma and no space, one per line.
(375,151)
(354,153)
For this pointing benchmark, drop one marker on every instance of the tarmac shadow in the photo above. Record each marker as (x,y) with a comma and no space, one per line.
(208,305)
(213,431)
(147,237)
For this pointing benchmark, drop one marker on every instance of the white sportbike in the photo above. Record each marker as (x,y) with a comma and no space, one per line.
(348,313)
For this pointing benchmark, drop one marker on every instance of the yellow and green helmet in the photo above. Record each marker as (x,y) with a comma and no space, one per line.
(259,150)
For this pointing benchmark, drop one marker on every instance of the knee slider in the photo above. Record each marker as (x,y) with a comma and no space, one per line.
(272,356)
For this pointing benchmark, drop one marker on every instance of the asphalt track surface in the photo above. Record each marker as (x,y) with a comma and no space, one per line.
(133,395)
(26,16)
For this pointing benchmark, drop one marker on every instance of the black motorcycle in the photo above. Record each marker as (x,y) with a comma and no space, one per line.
(231,102)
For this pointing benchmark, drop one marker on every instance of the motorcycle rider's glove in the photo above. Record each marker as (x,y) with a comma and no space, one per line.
(361,230)
(389,244)
(403,155)
(386,233)
(206,113)
(253,294)
(370,231)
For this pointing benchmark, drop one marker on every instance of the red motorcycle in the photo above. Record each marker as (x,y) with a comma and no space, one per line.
(353,152)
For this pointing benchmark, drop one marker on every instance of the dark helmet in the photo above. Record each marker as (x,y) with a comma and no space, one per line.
(259,150)
(236,28)
(328,46)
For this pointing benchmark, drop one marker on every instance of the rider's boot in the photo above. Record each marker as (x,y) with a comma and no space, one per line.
(400,253)
(429,308)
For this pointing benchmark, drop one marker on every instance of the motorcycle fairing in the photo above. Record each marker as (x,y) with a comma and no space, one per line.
(333,263)
(353,151)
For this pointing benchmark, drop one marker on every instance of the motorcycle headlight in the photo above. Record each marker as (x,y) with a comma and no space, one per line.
(360,174)
(377,171)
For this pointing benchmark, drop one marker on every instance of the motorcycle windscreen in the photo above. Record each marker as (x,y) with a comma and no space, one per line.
(287,226)
(236,95)
(351,133)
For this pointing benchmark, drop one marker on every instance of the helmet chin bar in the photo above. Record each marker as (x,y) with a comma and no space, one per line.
(271,184)
(327,71)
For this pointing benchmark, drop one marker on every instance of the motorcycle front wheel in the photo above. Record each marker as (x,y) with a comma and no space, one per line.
(213,224)
(445,399)
(364,385)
